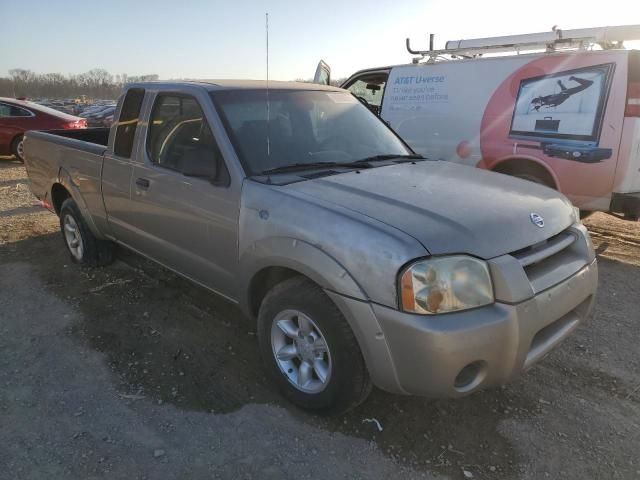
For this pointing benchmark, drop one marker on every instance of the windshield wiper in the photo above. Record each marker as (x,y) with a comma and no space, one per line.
(401,158)
(317,165)
(362,163)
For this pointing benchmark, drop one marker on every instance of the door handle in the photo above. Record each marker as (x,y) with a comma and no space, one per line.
(142,183)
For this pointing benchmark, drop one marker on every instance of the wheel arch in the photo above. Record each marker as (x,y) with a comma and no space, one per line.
(17,135)
(59,193)
(64,182)
(527,164)
(273,260)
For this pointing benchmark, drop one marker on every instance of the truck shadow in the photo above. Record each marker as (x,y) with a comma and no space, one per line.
(171,342)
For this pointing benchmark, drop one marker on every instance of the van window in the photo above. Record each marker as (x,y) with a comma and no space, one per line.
(128,122)
(370,88)
(371,92)
(178,126)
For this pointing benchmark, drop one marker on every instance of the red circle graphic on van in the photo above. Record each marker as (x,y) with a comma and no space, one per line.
(558,111)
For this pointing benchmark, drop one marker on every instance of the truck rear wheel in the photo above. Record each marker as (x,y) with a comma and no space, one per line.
(310,350)
(83,246)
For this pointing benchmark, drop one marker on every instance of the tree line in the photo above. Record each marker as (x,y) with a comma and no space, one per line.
(95,84)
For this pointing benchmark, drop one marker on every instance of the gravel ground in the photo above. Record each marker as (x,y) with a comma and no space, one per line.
(131,372)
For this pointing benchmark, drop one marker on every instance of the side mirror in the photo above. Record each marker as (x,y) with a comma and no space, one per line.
(200,162)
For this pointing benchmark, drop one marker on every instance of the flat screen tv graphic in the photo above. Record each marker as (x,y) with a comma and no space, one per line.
(564,112)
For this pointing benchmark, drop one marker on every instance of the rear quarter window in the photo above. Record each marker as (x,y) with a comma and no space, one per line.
(13,111)
(128,122)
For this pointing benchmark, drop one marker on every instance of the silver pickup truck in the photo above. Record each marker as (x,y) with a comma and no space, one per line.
(362,263)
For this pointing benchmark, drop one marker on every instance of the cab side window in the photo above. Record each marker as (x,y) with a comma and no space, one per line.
(180,139)
(128,122)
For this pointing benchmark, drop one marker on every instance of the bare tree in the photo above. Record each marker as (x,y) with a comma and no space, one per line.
(96,83)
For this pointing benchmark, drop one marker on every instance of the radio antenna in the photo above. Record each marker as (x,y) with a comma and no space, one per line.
(268,105)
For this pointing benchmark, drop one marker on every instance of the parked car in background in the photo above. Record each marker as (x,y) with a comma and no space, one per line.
(108,121)
(564,116)
(95,109)
(18,116)
(89,110)
(360,261)
(97,119)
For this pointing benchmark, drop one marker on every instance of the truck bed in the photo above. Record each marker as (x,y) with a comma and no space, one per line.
(94,136)
(51,154)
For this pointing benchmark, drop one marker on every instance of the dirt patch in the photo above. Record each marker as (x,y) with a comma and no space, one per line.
(614,237)
(168,346)
(20,217)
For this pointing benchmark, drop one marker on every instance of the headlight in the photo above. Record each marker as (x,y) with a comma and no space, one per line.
(445,284)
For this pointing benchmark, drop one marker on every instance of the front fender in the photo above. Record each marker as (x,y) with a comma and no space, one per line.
(298,255)
(341,288)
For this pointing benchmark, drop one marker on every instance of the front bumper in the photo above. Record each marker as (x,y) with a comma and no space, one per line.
(454,354)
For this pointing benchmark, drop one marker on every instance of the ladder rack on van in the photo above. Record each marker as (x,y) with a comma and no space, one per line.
(556,39)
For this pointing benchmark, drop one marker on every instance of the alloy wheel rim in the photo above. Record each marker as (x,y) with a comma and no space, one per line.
(20,149)
(301,352)
(72,237)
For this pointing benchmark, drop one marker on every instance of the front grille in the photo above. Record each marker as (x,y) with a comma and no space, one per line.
(541,251)
(551,261)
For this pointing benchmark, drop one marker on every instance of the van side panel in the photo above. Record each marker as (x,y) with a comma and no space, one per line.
(628,173)
(563,111)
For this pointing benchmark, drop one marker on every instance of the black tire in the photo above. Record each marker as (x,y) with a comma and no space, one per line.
(94,252)
(349,383)
(16,148)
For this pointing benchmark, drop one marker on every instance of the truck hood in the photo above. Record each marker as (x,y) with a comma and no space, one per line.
(448,208)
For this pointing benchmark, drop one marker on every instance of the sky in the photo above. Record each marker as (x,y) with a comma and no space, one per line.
(226,39)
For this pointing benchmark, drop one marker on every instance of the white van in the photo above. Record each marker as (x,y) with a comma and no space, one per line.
(567,116)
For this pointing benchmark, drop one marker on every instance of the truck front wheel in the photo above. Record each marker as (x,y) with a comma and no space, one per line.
(310,350)
(83,246)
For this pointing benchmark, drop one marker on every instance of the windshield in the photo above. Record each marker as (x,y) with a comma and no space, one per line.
(304,126)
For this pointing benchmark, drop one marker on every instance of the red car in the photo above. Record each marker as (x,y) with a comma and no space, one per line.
(18,116)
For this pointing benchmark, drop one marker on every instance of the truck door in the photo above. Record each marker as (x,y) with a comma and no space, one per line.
(117,168)
(185,209)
